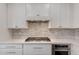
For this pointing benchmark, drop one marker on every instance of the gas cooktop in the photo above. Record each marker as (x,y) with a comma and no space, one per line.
(38,39)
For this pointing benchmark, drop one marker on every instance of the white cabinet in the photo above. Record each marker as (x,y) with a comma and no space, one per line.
(66,16)
(26,49)
(61,15)
(10,49)
(16,15)
(37,49)
(54,13)
(10,46)
(76,15)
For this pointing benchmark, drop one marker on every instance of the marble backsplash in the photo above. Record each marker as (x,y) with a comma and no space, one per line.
(37,29)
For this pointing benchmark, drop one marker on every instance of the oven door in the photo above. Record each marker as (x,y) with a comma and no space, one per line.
(61,52)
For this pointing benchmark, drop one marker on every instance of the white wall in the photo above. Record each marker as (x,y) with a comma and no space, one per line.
(4,34)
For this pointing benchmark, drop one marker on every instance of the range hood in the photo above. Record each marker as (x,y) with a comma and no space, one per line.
(37,19)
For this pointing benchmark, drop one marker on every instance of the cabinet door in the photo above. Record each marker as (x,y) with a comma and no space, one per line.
(37,49)
(54,13)
(10,51)
(11,21)
(16,15)
(66,16)
(61,15)
(10,46)
(76,15)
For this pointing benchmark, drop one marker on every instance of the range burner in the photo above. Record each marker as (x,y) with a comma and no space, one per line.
(37,39)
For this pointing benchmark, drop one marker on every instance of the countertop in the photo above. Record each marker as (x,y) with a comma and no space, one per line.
(22,41)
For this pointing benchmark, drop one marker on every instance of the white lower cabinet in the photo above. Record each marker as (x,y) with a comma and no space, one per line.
(10,46)
(26,49)
(10,51)
(37,49)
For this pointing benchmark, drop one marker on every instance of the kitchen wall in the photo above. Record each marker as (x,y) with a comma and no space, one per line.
(56,35)
(4,34)
(37,29)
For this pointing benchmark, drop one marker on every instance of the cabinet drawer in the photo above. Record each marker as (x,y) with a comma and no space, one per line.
(10,46)
(36,45)
(37,49)
(10,51)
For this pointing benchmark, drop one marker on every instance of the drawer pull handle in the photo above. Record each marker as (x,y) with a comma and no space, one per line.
(11,52)
(10,47)
(38,48)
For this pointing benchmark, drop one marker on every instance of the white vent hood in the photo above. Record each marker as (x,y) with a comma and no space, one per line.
(37,18)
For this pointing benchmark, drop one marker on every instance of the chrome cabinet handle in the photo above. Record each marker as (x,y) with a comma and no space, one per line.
(38,47)
(11,52)
(11,47)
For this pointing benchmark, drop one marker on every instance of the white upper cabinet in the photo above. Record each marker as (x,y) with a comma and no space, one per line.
(54,13)
(61,15)
(76,15)
(66,16)
(16,15)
